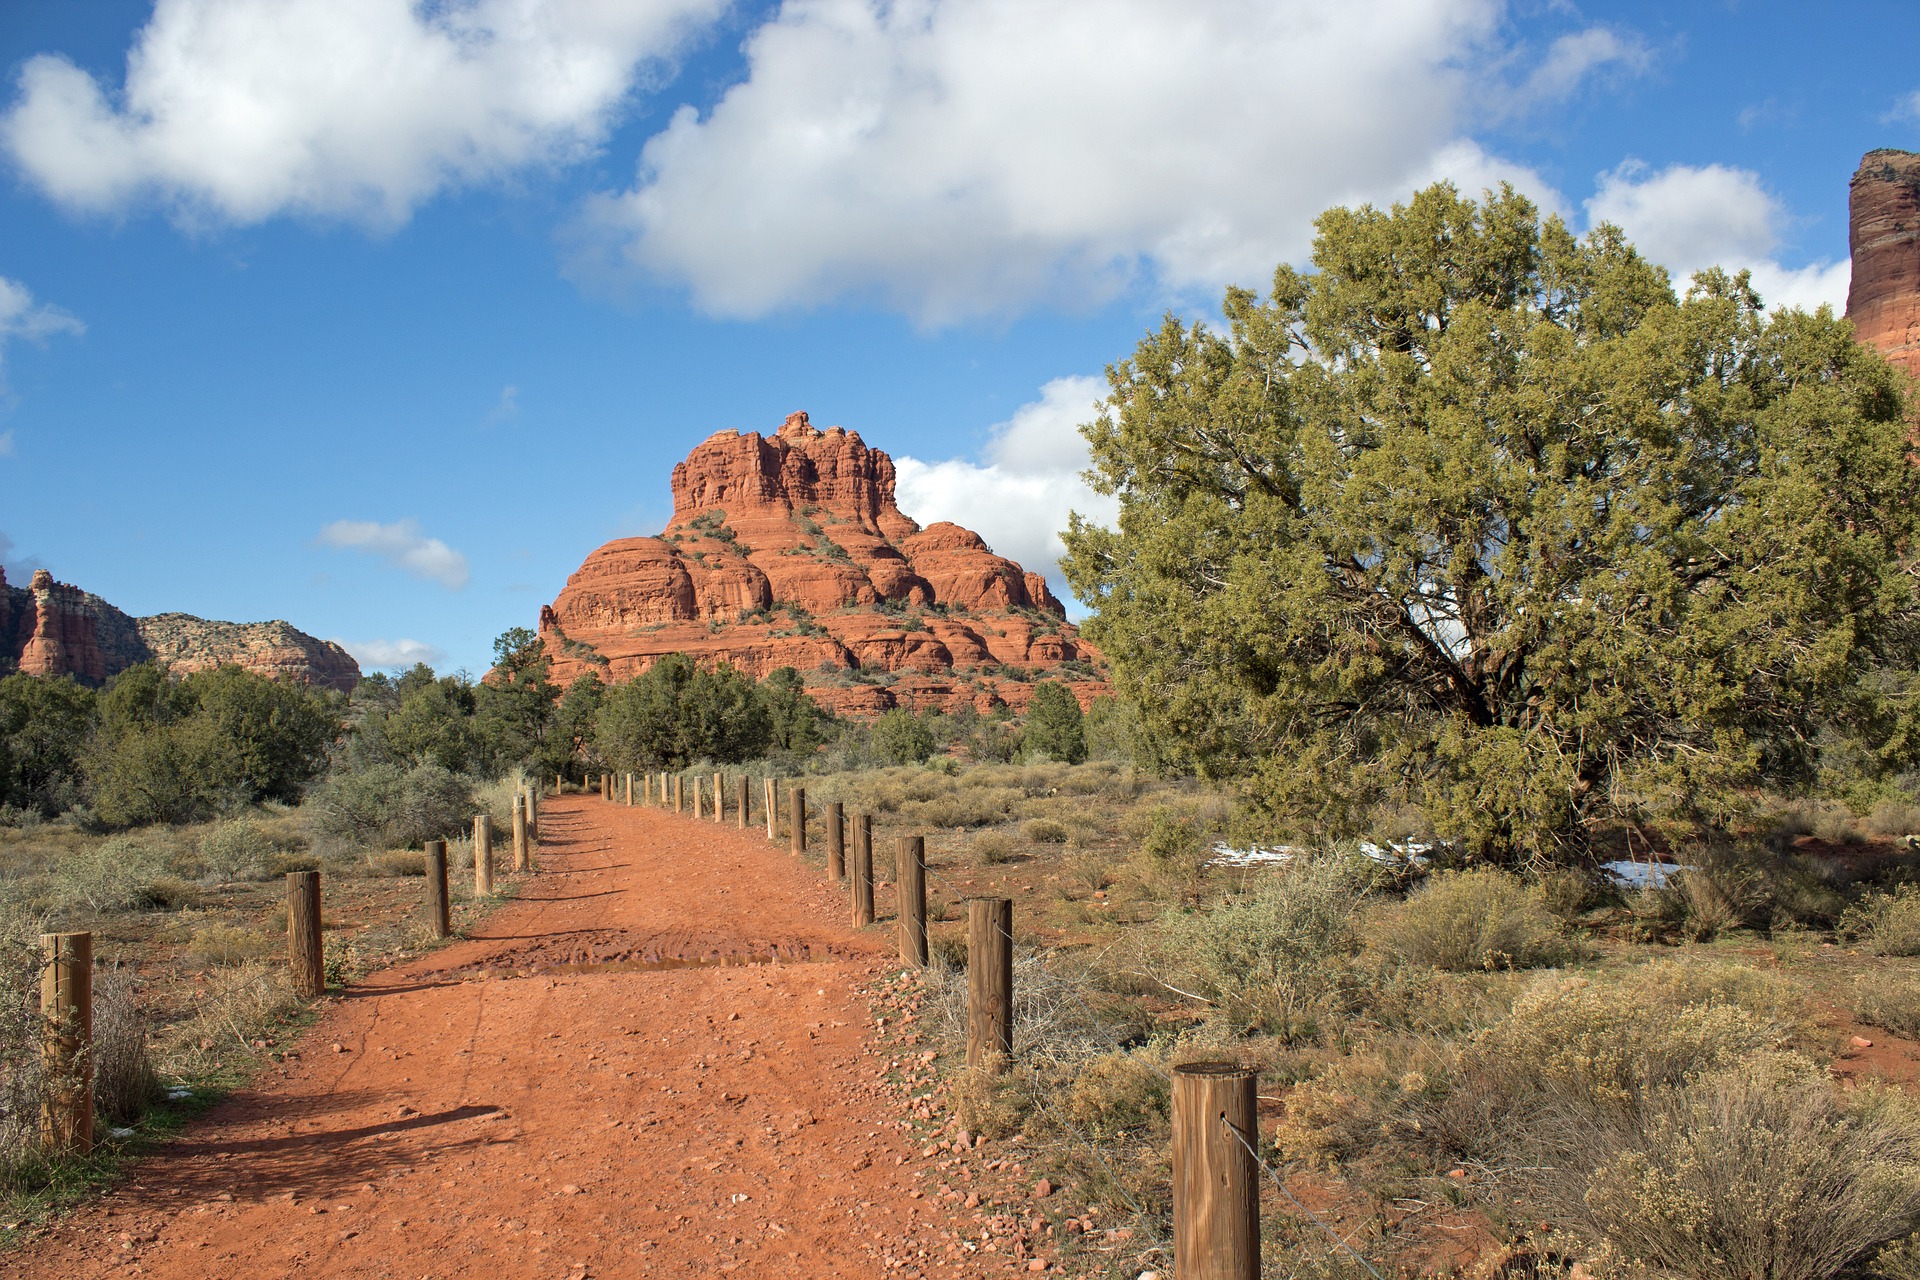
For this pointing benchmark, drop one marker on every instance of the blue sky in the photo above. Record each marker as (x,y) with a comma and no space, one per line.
(378,316)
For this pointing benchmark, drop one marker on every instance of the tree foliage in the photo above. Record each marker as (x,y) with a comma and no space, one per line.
(1482,516)
(1055,725)
(900,737)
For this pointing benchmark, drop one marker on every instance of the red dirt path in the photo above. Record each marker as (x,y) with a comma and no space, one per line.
(488,1114)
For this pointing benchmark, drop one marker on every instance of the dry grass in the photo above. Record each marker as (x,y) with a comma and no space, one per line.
(1463,921)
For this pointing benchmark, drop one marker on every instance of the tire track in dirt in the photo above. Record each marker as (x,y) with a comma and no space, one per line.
(501,1113)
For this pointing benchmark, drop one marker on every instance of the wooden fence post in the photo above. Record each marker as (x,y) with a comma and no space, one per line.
(797,820)
(679,795)
(742,789)
(483,854)
(719,805)
(989,982)
(910,891)
(519,834)
(303,933)
(770,804)
(629,791)
(697,810)
(836,843)
(1216,1189)
(862,870)
(66,1047)
(439,908)
(533,813)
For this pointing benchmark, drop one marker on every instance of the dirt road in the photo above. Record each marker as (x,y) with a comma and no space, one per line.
(552,1098)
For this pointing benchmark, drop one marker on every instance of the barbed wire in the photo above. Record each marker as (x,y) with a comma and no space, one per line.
(1294,1200)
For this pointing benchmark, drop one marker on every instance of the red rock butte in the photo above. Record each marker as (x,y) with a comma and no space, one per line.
(789,551)
(55,629)
(1883,233)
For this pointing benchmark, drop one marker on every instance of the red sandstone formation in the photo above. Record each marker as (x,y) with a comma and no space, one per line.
(789,551)
(54,629)
(1884,235)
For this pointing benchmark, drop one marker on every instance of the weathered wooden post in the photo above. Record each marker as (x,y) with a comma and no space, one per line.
(679,795)
(910,890)
(768,800)
(533,813)
(742,788)
(862,870)
(520,858)
(989,982)
(697,810)
(303,933)
(629,791)
(1216,1189)
(439,907)
(606,787)
(483,854)
(719,805)
(836,843)
(797,820)
(66,1047)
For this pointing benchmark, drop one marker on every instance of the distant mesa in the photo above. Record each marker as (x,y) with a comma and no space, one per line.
(790,551)
(54,629)
(1883,234)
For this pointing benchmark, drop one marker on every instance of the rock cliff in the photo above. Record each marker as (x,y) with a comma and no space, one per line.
(53,629)
(1884,235)
(789,550)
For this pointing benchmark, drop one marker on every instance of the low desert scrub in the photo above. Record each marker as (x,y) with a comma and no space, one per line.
(1045,831)
(222,945)
(1170,844)
(1888,923)
(389,806)
(991,848)
(1891,818)
(112,875)
(242,1004)
(125,1082)
(1461,921)
(1889,1000)
(1757,1172)
(236,849)
(1276,958)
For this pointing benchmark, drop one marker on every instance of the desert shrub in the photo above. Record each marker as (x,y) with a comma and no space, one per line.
(1483,918)
(390,806)
(900,737)
(1893,818)
(1090,869)
(226,944)
(238,1006)
(20,1067)
(1889,1000)
(113,875)
(1275,958)
(967,806)
(1567,892)
(398,862)
(1755,1172)
(992,847)
(125,1083)
(1171,843)
(236,849)
(1045,831)
(1888,923)
(1122,1091)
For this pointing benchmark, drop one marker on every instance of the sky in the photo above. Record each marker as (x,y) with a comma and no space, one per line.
(379,315)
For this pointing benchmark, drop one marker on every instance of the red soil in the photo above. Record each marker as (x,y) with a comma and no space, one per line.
(492,1110)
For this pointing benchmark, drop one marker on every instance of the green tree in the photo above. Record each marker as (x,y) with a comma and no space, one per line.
(433,721)
(1055,726)
(676,712)
(514,705)
(1480,515)
(44,728)
(569,745)
(266,738)
(795,722)
(900,737)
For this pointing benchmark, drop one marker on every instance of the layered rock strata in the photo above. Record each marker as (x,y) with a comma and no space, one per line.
(1883,234)
(789,550)
(55,629)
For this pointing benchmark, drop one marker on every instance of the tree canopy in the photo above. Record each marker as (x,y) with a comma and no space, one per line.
(1481,516)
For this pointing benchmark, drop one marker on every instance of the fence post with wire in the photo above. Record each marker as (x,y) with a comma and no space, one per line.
(836,843)
(66,1006)
(910,893)
(797,820)
(1216,1188)
(989,982)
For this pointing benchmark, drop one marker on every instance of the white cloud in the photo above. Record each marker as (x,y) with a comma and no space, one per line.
(1906,110)
(393,654)
(954,159)
(1019,496)
(403,545)
(6,444)
(239,110)
(1574,58)
(18,571)
(506,408)
(1688,217)
(22,317)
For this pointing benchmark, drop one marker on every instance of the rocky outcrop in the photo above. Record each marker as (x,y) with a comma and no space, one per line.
(789,551)
(54,629)
(275,649)
(1884,235)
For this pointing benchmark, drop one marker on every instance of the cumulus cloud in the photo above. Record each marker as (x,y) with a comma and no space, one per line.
(1574,58)
(1687,217)
(955,159)
(393,655)
(239,110)
(1018,497)
(402,545)
(23,318)
(1906,110)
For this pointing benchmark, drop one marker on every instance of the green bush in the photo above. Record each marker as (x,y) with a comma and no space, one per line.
(1483,918)
(235,850)
(1889,1000)
(900,737)
(1045,831)
(1888,923)
(1054,726)
(1275,959)
(389,806)
(113,875)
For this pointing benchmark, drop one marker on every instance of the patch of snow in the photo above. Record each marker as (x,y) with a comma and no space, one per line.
(1265,855)
(1643,875)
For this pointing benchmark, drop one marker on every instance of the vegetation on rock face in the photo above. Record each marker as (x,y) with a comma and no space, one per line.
(1480,516)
